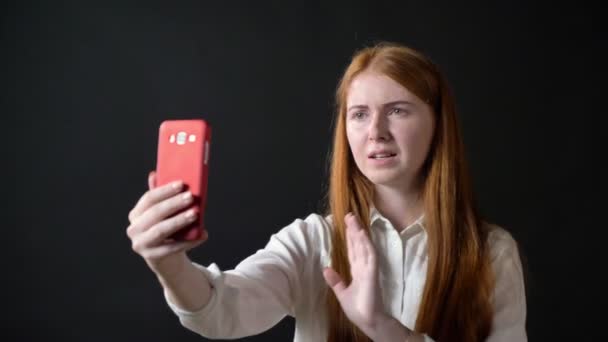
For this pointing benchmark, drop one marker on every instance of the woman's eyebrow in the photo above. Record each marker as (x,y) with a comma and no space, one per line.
(392,103)
(388,104)
(357,107)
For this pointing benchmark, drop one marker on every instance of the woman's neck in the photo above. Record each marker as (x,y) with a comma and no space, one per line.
(401,207)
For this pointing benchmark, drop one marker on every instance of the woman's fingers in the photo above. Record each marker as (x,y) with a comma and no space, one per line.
(152,180)
(370,252)
(158,233)
(156,217)
(153,196)
(160,211)
(352,253)
(161,251)
(353,231)
(360,246)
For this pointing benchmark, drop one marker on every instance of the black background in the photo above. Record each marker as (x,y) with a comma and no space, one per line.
(86,84)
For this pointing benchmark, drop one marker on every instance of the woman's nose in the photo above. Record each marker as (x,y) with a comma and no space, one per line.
(378,129)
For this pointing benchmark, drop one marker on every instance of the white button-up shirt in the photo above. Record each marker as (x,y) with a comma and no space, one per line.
(285,278)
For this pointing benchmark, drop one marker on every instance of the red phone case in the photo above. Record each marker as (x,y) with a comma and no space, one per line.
(183,154)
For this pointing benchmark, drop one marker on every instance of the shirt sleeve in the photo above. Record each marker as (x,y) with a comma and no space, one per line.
(259,292)
(509,301)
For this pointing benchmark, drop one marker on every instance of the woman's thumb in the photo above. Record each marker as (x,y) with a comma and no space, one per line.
(333,279)
(152,180)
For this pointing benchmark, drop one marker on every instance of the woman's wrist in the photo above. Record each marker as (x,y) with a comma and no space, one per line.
(388,328)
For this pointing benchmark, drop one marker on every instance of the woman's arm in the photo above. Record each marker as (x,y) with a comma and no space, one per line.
(509,300)
(389,329)
(254,296)
(187,288)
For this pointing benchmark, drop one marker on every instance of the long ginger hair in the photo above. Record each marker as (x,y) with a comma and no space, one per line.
(456,300)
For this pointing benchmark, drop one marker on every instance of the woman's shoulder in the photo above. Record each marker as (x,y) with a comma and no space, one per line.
(312,231)
(313,223)
(501,242)
(509,271)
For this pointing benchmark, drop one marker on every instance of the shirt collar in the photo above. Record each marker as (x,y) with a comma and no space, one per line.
(375,215)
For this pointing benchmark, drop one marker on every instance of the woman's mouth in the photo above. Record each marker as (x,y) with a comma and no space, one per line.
(382,159)
(383,155)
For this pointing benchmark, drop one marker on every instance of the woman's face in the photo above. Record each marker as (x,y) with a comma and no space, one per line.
(389,129)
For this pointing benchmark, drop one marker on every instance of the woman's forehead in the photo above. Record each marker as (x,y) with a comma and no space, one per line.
(369,88)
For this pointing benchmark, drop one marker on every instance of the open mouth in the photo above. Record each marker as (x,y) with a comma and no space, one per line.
(382,155)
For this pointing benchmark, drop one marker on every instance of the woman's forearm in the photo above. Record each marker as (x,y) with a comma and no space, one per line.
(389,329)
(187,288)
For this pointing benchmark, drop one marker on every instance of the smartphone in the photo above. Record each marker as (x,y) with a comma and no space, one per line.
(183,154)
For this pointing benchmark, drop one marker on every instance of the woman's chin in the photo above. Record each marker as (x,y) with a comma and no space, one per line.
(385,178)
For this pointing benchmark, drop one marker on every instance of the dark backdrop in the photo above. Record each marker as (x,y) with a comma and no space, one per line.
(86,84)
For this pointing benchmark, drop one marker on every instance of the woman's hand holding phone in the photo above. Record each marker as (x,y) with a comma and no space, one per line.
(153,220)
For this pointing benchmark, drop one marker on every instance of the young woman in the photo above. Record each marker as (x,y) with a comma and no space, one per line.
(400,255)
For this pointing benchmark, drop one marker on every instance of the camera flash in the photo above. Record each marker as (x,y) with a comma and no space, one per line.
(181,138)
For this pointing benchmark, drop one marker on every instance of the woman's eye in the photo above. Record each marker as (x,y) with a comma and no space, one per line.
(358,115)
(398,111)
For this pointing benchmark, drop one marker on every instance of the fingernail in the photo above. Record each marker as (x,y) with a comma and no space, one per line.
(177,185)
(190,214)
(187,197)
